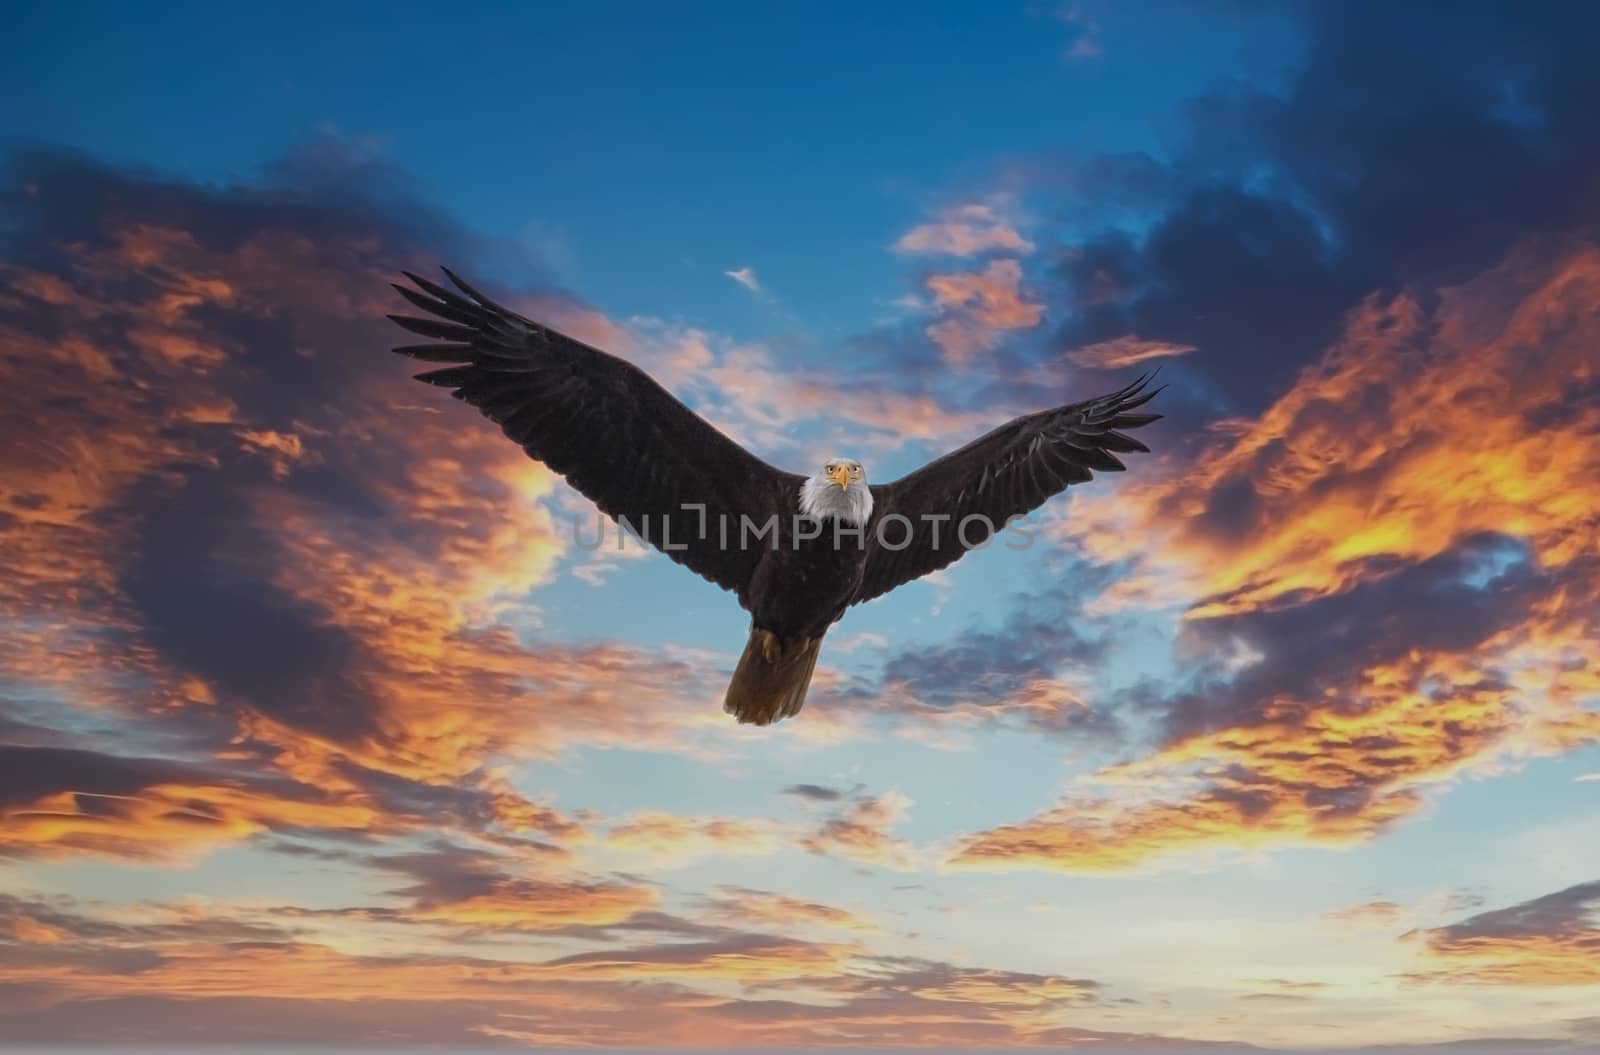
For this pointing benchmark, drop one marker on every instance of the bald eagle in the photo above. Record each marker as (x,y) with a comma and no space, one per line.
(797,550)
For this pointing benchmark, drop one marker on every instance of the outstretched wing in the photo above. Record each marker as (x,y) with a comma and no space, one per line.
(615,434)
(1009,472)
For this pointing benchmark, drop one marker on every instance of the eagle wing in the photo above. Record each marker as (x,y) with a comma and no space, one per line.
(1008,472)
(603,424)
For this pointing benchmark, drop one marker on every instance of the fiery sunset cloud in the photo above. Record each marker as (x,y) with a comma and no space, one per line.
(1314,517)
(1550,941)
(325,722)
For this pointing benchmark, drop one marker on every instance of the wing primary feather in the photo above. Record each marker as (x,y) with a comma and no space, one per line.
(1142,400)
(451,298)
(437,353)
(462,284)
(450,377)
(1116,441)
(1014,469)
(1079,474)
(497,364)
(1104,460)
(434,328)
(438,307)
(1128,389)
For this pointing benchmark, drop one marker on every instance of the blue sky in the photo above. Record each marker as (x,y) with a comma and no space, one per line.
(639,163)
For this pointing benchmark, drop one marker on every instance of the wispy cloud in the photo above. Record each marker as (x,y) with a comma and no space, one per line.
(764,908)
(965,230)
(976,309)
(746,277)
(1124,352)
(1086,34)
(862,830)
(1552,940)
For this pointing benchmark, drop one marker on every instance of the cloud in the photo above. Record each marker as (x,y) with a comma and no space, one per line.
(857,827)
(965,230)
(474,890)
(1124,352)
(1552,940)
(191,507)
(1086,36)
(860,831)
(1396,538)
(1032,671)
(220,972)
(1367,911)
(1367,191)
(60,801)
(764,908)
(814,792)
(670,838)
(746,277)
(1415,436)
(68,927)
(977,308)
(751,959)
(306,591)
(751,393)
(891,977)
(1363,533)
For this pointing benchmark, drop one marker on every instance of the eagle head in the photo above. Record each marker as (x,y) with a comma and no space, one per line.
(838,490)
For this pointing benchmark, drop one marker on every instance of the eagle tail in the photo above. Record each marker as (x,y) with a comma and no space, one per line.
(770,682)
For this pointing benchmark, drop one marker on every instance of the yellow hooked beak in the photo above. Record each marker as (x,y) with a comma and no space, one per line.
(840,475)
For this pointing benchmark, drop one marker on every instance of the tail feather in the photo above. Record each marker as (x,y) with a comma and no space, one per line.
(770,682)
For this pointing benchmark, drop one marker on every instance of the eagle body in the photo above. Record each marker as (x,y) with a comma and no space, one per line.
(799,589)
(797,550)
(804,584)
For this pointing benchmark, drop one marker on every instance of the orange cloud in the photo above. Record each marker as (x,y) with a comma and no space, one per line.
(1005,988)
(861,832)
(748,959)
(26,931)
(202,968)
(667,836)
(763,907)
(1382,453)
(396,541)
(760,401)
(1367,911)
(524,904)
(166,820)
(977,308)
(1332,771)
(1550,941)
(1422,430)
(966,230)
(1124,352)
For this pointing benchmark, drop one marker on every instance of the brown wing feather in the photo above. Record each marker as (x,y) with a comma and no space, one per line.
(602,423)
(1008,472)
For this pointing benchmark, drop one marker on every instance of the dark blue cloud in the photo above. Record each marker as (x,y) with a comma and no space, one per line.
(1416,143)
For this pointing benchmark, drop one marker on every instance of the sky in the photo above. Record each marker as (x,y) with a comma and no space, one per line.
(323,722)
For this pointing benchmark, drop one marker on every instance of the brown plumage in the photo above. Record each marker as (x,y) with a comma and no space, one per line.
(770,681)
(639,454)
